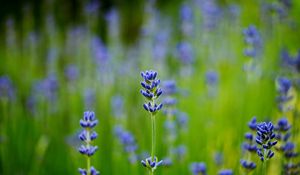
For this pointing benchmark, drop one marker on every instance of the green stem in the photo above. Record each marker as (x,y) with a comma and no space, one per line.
(88,165)
(264,168)
(170,140)
(88,162)
(153,136)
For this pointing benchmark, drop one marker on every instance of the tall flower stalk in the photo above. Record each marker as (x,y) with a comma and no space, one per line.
(151,92)
(87,135)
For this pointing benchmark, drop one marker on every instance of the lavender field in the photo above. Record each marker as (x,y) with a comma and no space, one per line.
(200,87)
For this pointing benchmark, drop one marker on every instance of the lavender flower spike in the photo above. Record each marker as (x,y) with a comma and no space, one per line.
(87,135)
(151,92)
(265,140)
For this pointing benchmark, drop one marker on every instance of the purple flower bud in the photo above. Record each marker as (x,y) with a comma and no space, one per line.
(94,171)
(82,171)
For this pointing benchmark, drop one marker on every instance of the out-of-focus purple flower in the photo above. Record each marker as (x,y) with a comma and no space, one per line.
(212,81)
(112,18)
(6,88)
(286,3)
(117,106)
(46,89)
(75,37)
(89,98)
(211,13)
(182,120)
(169,87)
(32,38)
(92,7)
(283,87)
(126,139)
(252,35)
(186,12)
(291,168)
(186,15)
(99,52)
(179,152)
(211,78)
(282,125)
(128,142)
(160,45)
(253,41)
(171,129)
(71,72)
(218,158)
(198,168)
(51,86)
(290,61)
(234,10)
(167,161)
(225,172)
(286,147)
(281,8)
(185,52)
(10,34)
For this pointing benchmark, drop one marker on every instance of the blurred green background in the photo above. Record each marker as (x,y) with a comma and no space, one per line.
(59,59)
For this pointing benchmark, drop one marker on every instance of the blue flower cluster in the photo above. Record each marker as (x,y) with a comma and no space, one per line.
(176,121)
(87,136)
(170,89)
(151,91)
(253,40)
(284,86)
(128,142)
(93,171)
(6,88)
(290,61)
(186,15)
(286,147)
(151,165)
(265,140)
(211,78)
(185,52)
(225,172)
(211,12)
(71,72)
(198,168)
